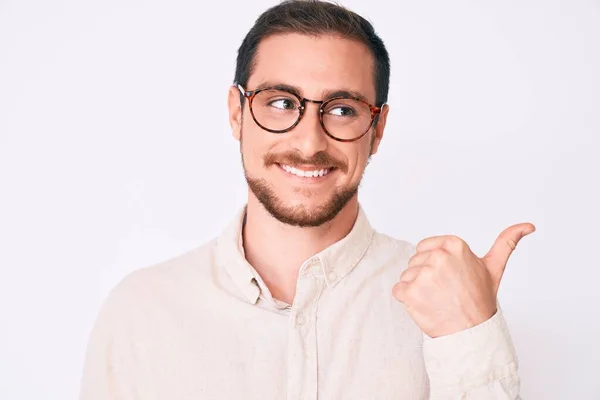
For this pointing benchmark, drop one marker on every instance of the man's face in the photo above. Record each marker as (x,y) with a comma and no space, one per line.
(316,66)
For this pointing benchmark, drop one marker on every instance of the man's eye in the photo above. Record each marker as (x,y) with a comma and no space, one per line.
(283,104)
(341,111)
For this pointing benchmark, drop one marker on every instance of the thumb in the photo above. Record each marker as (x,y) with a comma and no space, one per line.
(497,258)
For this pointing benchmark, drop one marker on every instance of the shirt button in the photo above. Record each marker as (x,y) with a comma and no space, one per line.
(301,320)
(332,275)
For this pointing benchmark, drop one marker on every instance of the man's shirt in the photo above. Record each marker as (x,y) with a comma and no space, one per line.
(203,325)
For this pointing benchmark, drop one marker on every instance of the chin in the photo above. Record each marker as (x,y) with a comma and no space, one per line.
(302,214)
(302,207)
(310,207)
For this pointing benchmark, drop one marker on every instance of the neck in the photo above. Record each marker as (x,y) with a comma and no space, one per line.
(277,251)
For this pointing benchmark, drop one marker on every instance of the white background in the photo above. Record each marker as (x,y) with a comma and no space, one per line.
(116,153)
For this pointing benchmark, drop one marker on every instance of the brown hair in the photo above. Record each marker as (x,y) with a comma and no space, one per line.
(314,17)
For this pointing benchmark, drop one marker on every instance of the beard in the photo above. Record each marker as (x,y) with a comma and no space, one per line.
(299,215)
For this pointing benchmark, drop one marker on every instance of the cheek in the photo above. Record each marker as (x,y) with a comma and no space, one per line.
(359,161)
(255,144)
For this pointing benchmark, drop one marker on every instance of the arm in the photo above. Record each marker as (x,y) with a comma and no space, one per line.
(451,294)
(478,363)
(103,370)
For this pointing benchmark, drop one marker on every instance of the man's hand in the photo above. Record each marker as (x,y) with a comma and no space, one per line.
(446,288)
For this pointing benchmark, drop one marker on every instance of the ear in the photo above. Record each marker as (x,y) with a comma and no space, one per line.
(379,128)
(235,112)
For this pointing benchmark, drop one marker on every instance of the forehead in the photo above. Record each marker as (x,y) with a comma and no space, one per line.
(315,64)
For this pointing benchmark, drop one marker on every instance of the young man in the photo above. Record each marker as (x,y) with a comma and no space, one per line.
(300,298)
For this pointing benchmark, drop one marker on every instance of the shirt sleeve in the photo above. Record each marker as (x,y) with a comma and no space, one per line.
(479,363)
(104,369)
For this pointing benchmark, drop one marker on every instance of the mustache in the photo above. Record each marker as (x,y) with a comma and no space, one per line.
(320,160)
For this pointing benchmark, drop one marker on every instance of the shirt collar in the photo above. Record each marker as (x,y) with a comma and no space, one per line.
(230,255)
(334,262)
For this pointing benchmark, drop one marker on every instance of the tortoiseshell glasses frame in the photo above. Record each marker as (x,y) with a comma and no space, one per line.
(251,94)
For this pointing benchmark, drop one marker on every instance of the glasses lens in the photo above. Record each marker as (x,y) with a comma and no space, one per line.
(346,118)
(275,109)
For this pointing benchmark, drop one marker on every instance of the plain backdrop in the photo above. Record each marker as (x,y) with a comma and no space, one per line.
(116,153)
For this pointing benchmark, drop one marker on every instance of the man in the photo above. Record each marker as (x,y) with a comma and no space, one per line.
(300,298)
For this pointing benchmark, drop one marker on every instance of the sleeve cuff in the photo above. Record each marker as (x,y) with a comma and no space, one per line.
(468,359)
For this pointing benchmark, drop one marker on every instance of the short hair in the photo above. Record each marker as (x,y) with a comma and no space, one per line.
(314,17)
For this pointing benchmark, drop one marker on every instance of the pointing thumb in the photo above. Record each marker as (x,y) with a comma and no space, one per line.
(497,258)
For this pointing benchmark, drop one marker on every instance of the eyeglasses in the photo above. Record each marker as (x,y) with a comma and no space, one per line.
(343,118)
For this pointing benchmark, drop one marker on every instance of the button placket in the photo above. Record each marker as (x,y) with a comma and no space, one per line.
(302,345)
(300,319)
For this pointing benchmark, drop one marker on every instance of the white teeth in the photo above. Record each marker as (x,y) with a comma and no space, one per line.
(307,174)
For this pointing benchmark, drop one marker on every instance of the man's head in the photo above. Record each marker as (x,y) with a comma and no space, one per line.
(313,50)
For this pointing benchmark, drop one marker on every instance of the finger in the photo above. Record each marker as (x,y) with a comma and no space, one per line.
(400,291)
(497,258)
(409,274)
(419,259)
(433,257)
(430,243)
(451,243)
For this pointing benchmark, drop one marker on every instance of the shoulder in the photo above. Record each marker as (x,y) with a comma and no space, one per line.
(174,275)
(386,257)
(390,247)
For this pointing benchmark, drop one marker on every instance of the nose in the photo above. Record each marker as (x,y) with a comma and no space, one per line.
(308,136)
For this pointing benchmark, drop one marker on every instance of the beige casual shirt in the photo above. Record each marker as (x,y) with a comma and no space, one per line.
(203,325)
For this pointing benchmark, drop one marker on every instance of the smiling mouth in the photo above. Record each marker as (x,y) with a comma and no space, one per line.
(306,173)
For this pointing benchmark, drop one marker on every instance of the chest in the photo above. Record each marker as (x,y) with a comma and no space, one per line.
(324,347)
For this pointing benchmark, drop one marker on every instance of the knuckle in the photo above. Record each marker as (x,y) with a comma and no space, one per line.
(409,274)
(437,257)
(455,243)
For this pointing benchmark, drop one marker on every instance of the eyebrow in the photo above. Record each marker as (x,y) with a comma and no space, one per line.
(327,94)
